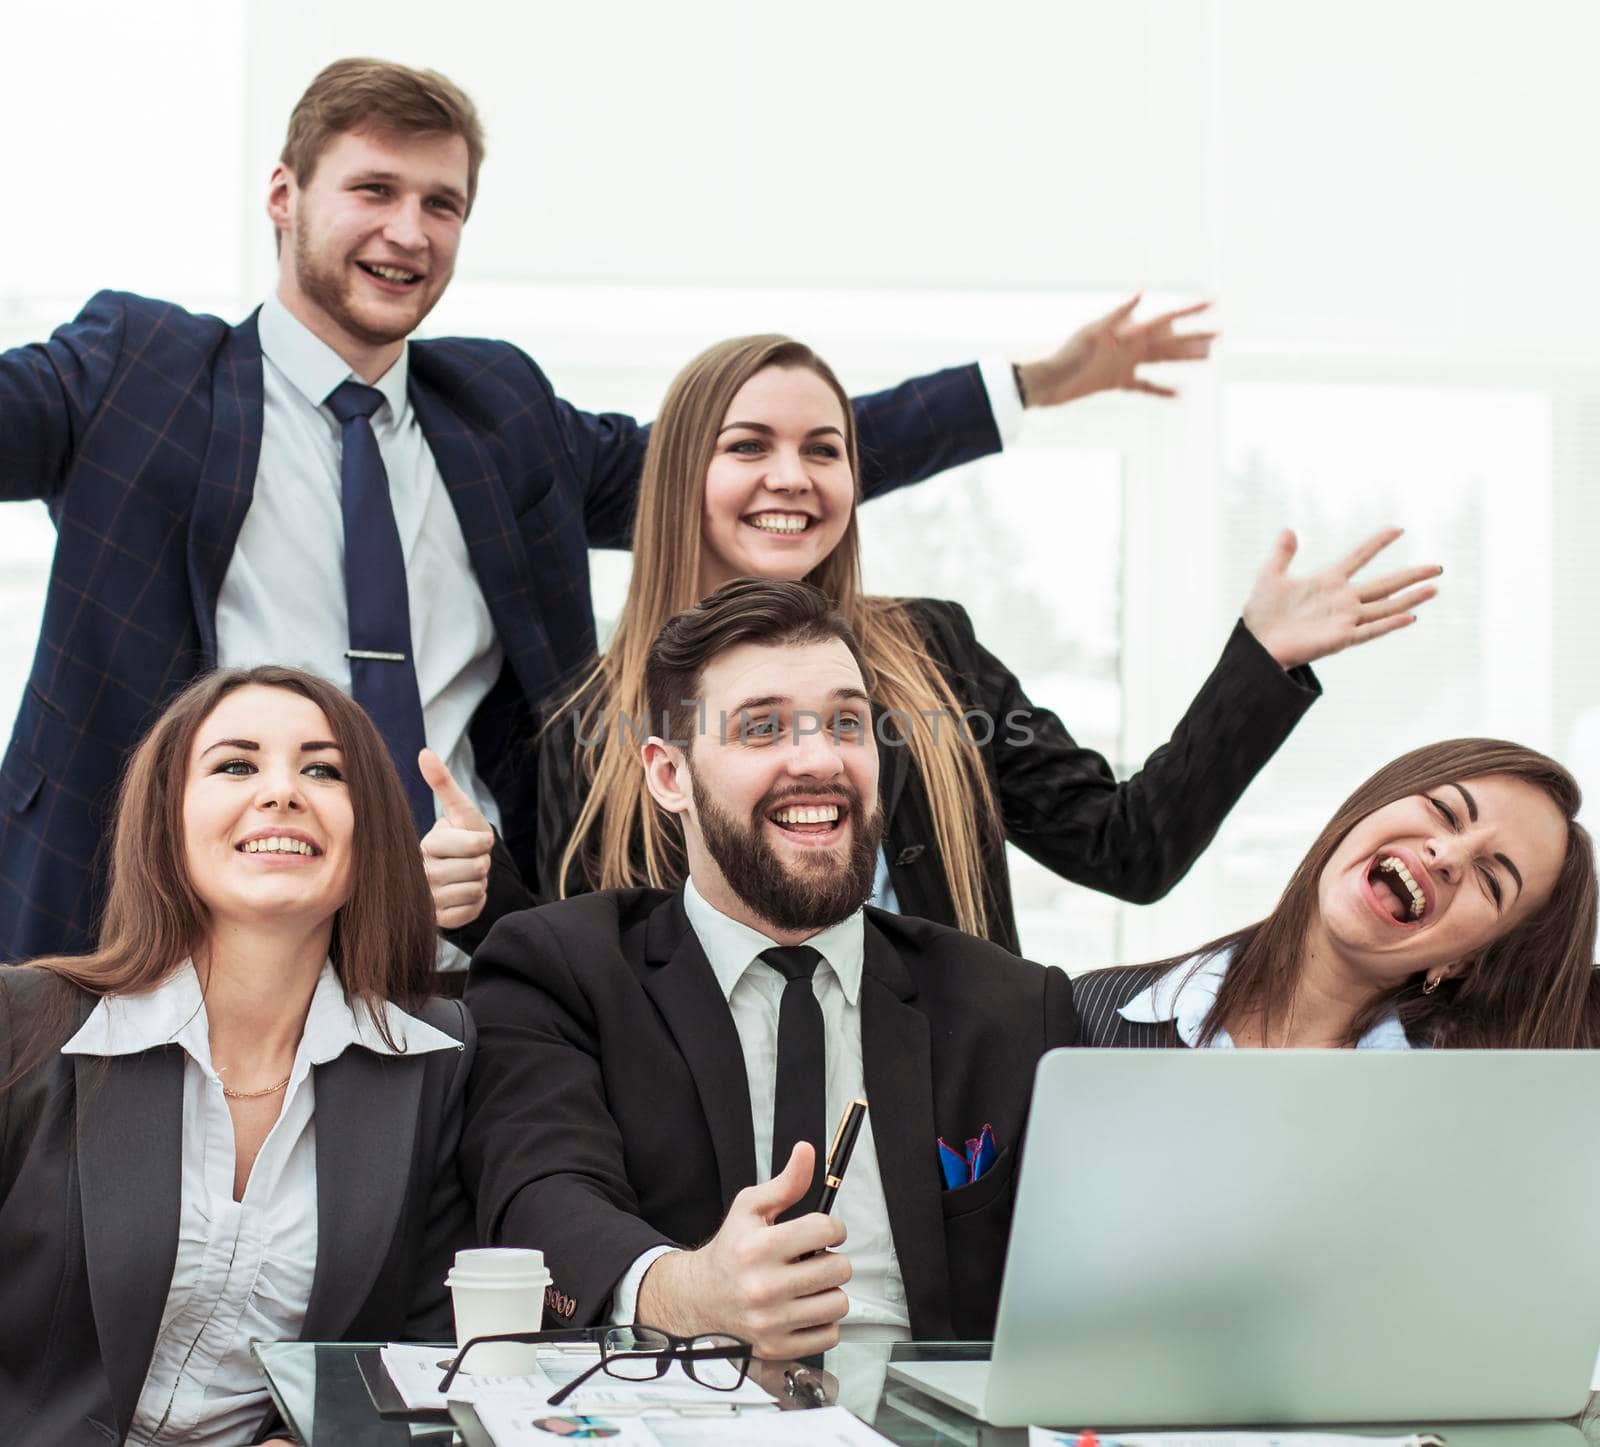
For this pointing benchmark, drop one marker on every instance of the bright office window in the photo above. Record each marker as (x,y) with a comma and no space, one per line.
(1468,474)
(995,538)
(27,542)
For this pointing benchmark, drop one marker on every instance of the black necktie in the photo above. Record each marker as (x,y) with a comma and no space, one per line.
(383,674)
(800,1104)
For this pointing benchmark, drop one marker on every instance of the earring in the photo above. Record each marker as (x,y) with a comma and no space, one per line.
(1432,984)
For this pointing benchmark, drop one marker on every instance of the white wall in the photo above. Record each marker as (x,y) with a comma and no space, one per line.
(123,130)
(1371,176)
(1383,197)
(891,144)
(1410,178)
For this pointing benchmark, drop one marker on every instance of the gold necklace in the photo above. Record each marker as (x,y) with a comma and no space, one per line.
(257,1094)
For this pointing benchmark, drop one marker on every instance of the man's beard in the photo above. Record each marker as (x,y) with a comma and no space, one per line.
(330,287)
(805,898)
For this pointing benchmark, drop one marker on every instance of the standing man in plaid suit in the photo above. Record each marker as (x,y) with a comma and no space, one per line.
(409,519)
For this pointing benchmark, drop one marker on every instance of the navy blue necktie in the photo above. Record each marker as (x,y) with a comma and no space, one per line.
(383,673)
(800,1099)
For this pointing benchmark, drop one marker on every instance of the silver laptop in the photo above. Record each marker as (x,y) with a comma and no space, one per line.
(1255,1237)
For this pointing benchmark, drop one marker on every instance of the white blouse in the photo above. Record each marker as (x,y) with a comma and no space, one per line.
(244,1268)
(1186,993)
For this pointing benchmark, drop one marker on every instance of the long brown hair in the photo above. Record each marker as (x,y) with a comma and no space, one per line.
(384,939)
(619,839)
(1534,987)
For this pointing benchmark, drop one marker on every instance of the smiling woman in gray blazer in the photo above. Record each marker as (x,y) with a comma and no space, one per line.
(236,1119)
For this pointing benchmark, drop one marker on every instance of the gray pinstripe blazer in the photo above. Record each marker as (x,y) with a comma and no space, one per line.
(1101,993)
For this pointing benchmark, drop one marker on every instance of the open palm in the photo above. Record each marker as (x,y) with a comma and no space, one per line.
(1301,619)
(1106,355)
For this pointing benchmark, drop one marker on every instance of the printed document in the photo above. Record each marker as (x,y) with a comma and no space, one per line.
(514,1424)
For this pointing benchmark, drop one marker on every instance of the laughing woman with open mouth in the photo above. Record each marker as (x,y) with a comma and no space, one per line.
(236,1119)
(1449,902)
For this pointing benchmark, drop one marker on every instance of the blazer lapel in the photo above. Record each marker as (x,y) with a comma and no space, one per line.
(893,767)
(130,1186)
(227,475)
(679,979)
(897,1066)
(366,1121)
(489,527)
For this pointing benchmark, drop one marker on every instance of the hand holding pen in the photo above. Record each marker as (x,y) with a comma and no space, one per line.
(775,1284)
(759,1278)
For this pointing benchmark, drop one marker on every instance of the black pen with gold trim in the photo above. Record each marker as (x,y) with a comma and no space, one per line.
(844,1143)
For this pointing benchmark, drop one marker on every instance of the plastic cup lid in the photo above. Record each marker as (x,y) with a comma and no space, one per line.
(498,1267)
(499,1258)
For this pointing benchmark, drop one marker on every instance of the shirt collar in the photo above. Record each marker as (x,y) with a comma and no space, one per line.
(313,368)
(174,1012)
(1185,993)
(732,947)
(333,1023)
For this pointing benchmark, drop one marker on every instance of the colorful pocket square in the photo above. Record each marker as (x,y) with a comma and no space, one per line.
(953,1165)
(962,1168)
(982,1151)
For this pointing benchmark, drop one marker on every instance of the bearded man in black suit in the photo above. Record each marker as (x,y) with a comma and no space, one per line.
(658,1072)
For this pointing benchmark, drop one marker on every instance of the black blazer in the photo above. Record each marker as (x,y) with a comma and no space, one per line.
(90,1174)
(608,1111)
(1058,801)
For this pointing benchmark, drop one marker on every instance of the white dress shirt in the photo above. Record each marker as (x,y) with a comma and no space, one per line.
(283,598)
(883,895)
(1001,385)
(754,991)
(244,1268)
(1185,994)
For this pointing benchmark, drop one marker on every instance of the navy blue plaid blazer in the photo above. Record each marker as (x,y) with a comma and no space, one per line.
(139,424)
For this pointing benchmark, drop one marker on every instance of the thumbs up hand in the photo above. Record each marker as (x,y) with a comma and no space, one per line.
(455,852)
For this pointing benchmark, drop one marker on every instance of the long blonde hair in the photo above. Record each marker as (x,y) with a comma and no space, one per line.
(620,839)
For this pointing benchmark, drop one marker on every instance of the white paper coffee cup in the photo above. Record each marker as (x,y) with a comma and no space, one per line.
(494,1290)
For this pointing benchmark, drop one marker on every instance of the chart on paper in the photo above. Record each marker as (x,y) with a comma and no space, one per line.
(513,1424)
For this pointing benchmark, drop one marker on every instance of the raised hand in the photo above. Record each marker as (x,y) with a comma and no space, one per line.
(455,852)
(1105,356)
(1299,620)
(758,1279)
